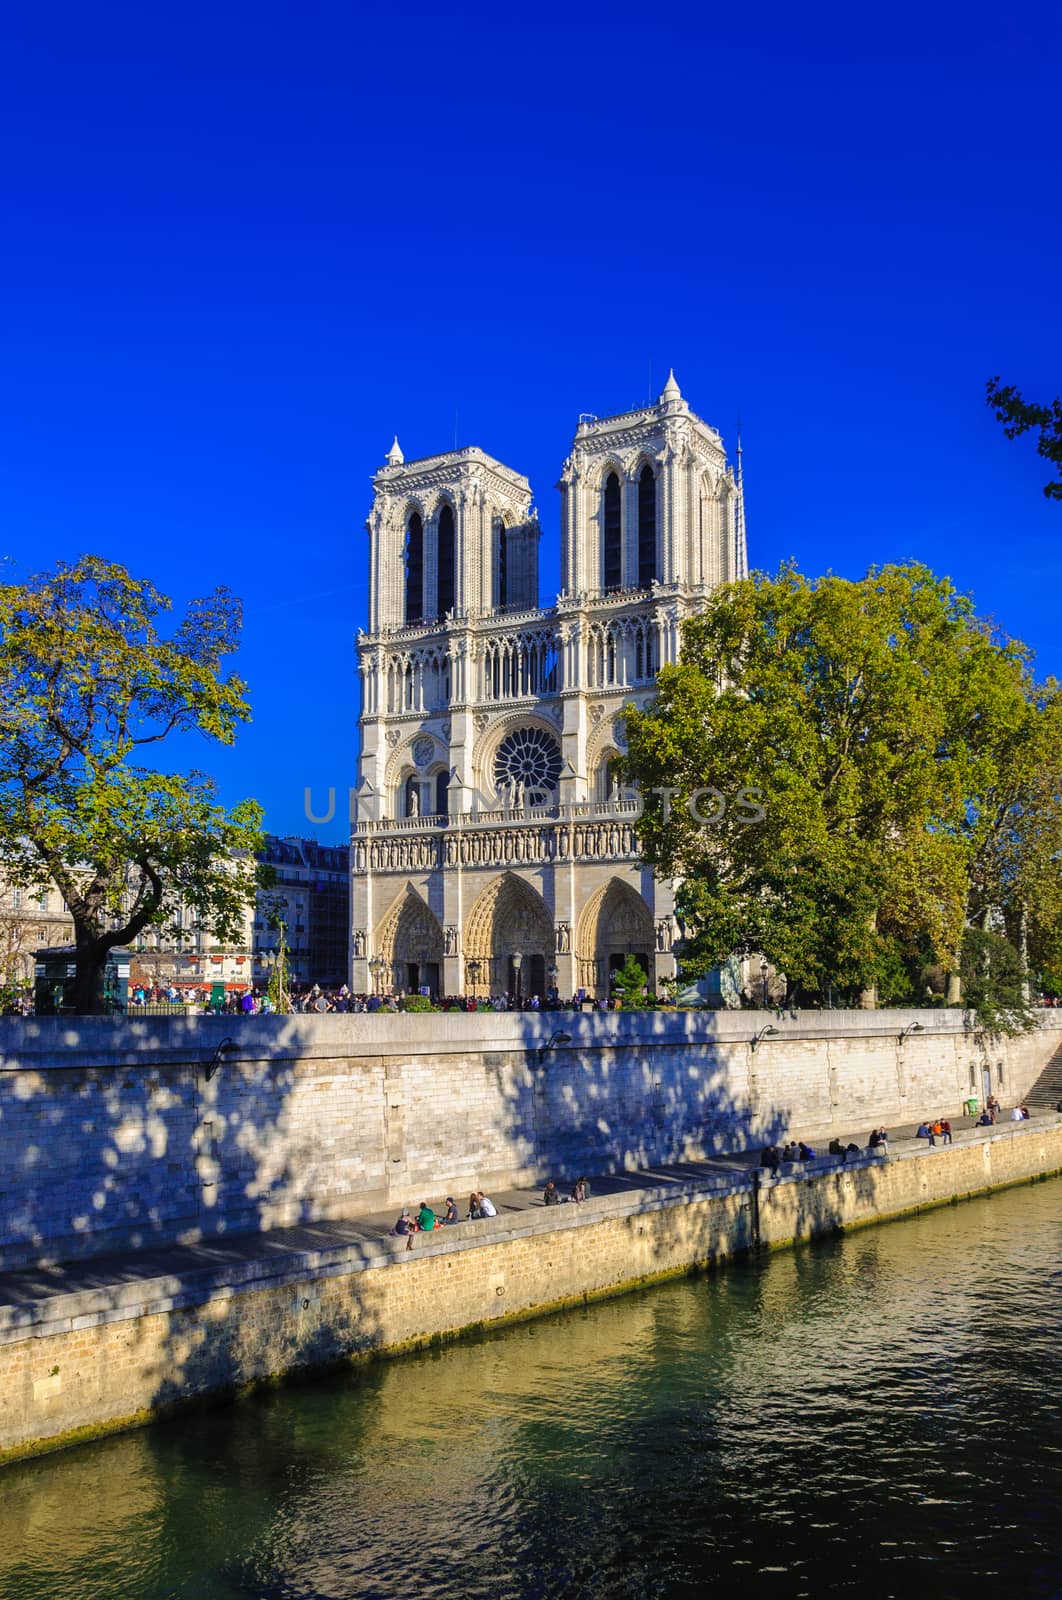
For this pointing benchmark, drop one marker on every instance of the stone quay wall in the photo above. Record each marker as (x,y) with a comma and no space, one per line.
(73,1365)
(117,1134)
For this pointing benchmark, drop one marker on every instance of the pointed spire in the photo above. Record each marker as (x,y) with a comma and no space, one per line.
(741,553)
(395,457)
(671,388)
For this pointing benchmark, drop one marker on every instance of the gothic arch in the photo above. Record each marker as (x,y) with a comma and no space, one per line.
(601,469)
(599,774)
(615,923)
(644,458)
(410,942)
(509,920)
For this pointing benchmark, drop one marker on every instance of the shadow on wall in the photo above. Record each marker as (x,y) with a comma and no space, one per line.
(291,1122)
(609,1100)
(162,1143)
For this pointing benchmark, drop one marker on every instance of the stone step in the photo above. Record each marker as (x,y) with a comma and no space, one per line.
(1047,1090)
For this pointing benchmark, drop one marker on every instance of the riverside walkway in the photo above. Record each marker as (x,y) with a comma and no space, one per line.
(43,1299)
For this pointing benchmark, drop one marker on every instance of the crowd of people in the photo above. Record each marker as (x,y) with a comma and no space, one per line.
(427,1219)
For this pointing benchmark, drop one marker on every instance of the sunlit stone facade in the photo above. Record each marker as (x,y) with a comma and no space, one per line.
(493,850)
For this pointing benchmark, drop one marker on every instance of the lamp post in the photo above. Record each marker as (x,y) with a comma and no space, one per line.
(518,962)
(763,979)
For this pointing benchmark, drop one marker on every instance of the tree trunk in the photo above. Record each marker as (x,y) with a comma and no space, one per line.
(953,994)
(88,982)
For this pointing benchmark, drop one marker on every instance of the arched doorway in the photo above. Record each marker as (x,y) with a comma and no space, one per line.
(615,924)
(409,947)
(509,941)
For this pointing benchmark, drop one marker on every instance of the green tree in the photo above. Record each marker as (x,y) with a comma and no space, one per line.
(1018,416)
(279,989)
(87,685)
(858,736)
(630,982)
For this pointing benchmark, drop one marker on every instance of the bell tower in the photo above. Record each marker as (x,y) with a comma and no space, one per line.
(648,499)
(451,535)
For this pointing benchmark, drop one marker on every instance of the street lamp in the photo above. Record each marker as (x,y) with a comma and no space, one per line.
(768,1032)
(912,1027)
(557,1037)
(763,978)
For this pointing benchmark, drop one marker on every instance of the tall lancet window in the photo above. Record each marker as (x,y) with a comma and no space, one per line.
(612,553)
(414,559)
(646,527)
(503,564)
(446,592)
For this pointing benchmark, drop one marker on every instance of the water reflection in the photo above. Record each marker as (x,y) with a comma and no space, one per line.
(876,1411)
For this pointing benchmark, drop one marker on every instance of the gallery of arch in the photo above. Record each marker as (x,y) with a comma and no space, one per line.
(493,850)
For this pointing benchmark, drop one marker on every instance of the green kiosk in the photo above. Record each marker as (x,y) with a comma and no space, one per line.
(54,972)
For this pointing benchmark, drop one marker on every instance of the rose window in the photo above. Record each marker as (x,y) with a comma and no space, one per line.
(527,758)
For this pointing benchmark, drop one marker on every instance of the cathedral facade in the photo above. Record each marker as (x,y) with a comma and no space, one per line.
(493,847)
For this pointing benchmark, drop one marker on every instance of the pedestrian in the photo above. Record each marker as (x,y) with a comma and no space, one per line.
(945,1128)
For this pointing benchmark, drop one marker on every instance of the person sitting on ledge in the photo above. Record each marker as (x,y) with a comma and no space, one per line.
(836,1148)
(945,1129)
(551,1195)
(580,1189)
(791,1151)
(404,1224)
(451,1210)
(806,1152)
(474,1212)
(925,1132)
(487,1207)
(985,1120)
(426,1218)
(771,1158)
(879,1140)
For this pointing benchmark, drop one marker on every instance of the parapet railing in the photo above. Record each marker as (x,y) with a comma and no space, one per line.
(505,816)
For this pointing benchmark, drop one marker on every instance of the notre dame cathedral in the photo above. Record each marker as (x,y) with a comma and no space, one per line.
(493,849)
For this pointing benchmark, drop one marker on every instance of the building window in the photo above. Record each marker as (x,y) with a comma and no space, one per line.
(528,763)
(612,554)
(445,590)
(503,568)
(646,527)
(442,794)
(414,560)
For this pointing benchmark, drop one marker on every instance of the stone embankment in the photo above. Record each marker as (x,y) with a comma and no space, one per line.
(107,1343)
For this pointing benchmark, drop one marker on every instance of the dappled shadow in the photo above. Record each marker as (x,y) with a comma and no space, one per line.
(138,1179)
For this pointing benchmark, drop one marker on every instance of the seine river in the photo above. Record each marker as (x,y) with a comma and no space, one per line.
(878,1414)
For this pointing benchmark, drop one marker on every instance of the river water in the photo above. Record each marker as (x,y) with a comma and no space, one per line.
(879,1413)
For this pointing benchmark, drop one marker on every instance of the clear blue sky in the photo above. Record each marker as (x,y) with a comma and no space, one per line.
(246,244)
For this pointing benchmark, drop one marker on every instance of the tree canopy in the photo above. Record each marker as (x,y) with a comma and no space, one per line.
(1018,416)
(871,768)
(88,685)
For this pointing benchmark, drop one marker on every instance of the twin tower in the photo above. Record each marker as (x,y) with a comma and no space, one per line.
(493,851)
